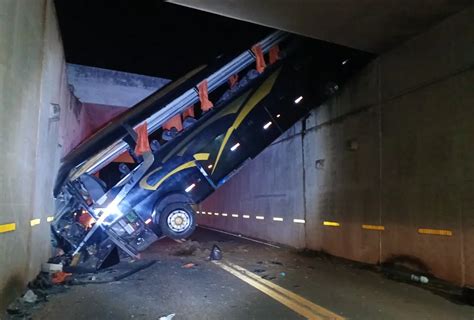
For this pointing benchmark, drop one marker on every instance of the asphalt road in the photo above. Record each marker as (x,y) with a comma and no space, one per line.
(277,283)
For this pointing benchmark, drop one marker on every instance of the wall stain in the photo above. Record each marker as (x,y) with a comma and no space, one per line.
(13,288)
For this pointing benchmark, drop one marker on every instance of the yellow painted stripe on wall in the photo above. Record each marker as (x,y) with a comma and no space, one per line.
(8,227)
(373,227)
(438,232)
(331,224)
(35,222)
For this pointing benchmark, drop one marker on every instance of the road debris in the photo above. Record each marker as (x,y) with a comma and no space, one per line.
(116,273)
(75,259)
(51,267)
(41,282)
(29,297)
(38,291)
(421,279)
(60,277)
(188,265)
(14,308)
(216,253)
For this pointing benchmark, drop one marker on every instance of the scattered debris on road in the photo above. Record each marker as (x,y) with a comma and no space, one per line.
(51,267)
(421,279)
(29,297)
(216,253)
(47,284)
(188,265)
(60,277)
(38,291)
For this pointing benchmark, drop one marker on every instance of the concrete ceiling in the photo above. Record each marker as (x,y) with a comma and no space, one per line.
(369,25)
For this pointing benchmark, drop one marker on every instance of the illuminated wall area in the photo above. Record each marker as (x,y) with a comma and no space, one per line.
(383,170)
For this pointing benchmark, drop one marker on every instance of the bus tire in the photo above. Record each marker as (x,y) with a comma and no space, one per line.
(178,220)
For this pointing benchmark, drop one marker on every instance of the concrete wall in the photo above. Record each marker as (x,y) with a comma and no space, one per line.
(98,96)
(394,149)
(32,80)
(82,120)
(111,87)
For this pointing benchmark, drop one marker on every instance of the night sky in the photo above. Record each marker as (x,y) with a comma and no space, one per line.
(149,37)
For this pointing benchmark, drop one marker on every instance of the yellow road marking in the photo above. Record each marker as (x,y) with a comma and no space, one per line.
(373,227)
(7,227)
(331,224)
(438,232)
(35,222)
(290,299)
(50,218)
(288,293)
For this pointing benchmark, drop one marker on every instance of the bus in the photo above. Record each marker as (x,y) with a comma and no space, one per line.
(156,196)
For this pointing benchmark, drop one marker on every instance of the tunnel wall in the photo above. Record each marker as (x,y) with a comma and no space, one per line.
(111,87)
(393,150)
(32,85)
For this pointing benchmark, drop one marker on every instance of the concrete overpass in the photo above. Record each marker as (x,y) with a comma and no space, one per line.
(369,25)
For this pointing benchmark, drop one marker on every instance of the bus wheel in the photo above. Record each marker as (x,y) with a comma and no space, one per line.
(178,221)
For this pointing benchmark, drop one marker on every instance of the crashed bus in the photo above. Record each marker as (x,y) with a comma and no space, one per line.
(275,84)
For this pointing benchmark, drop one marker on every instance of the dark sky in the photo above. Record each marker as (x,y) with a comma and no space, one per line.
(149,36)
